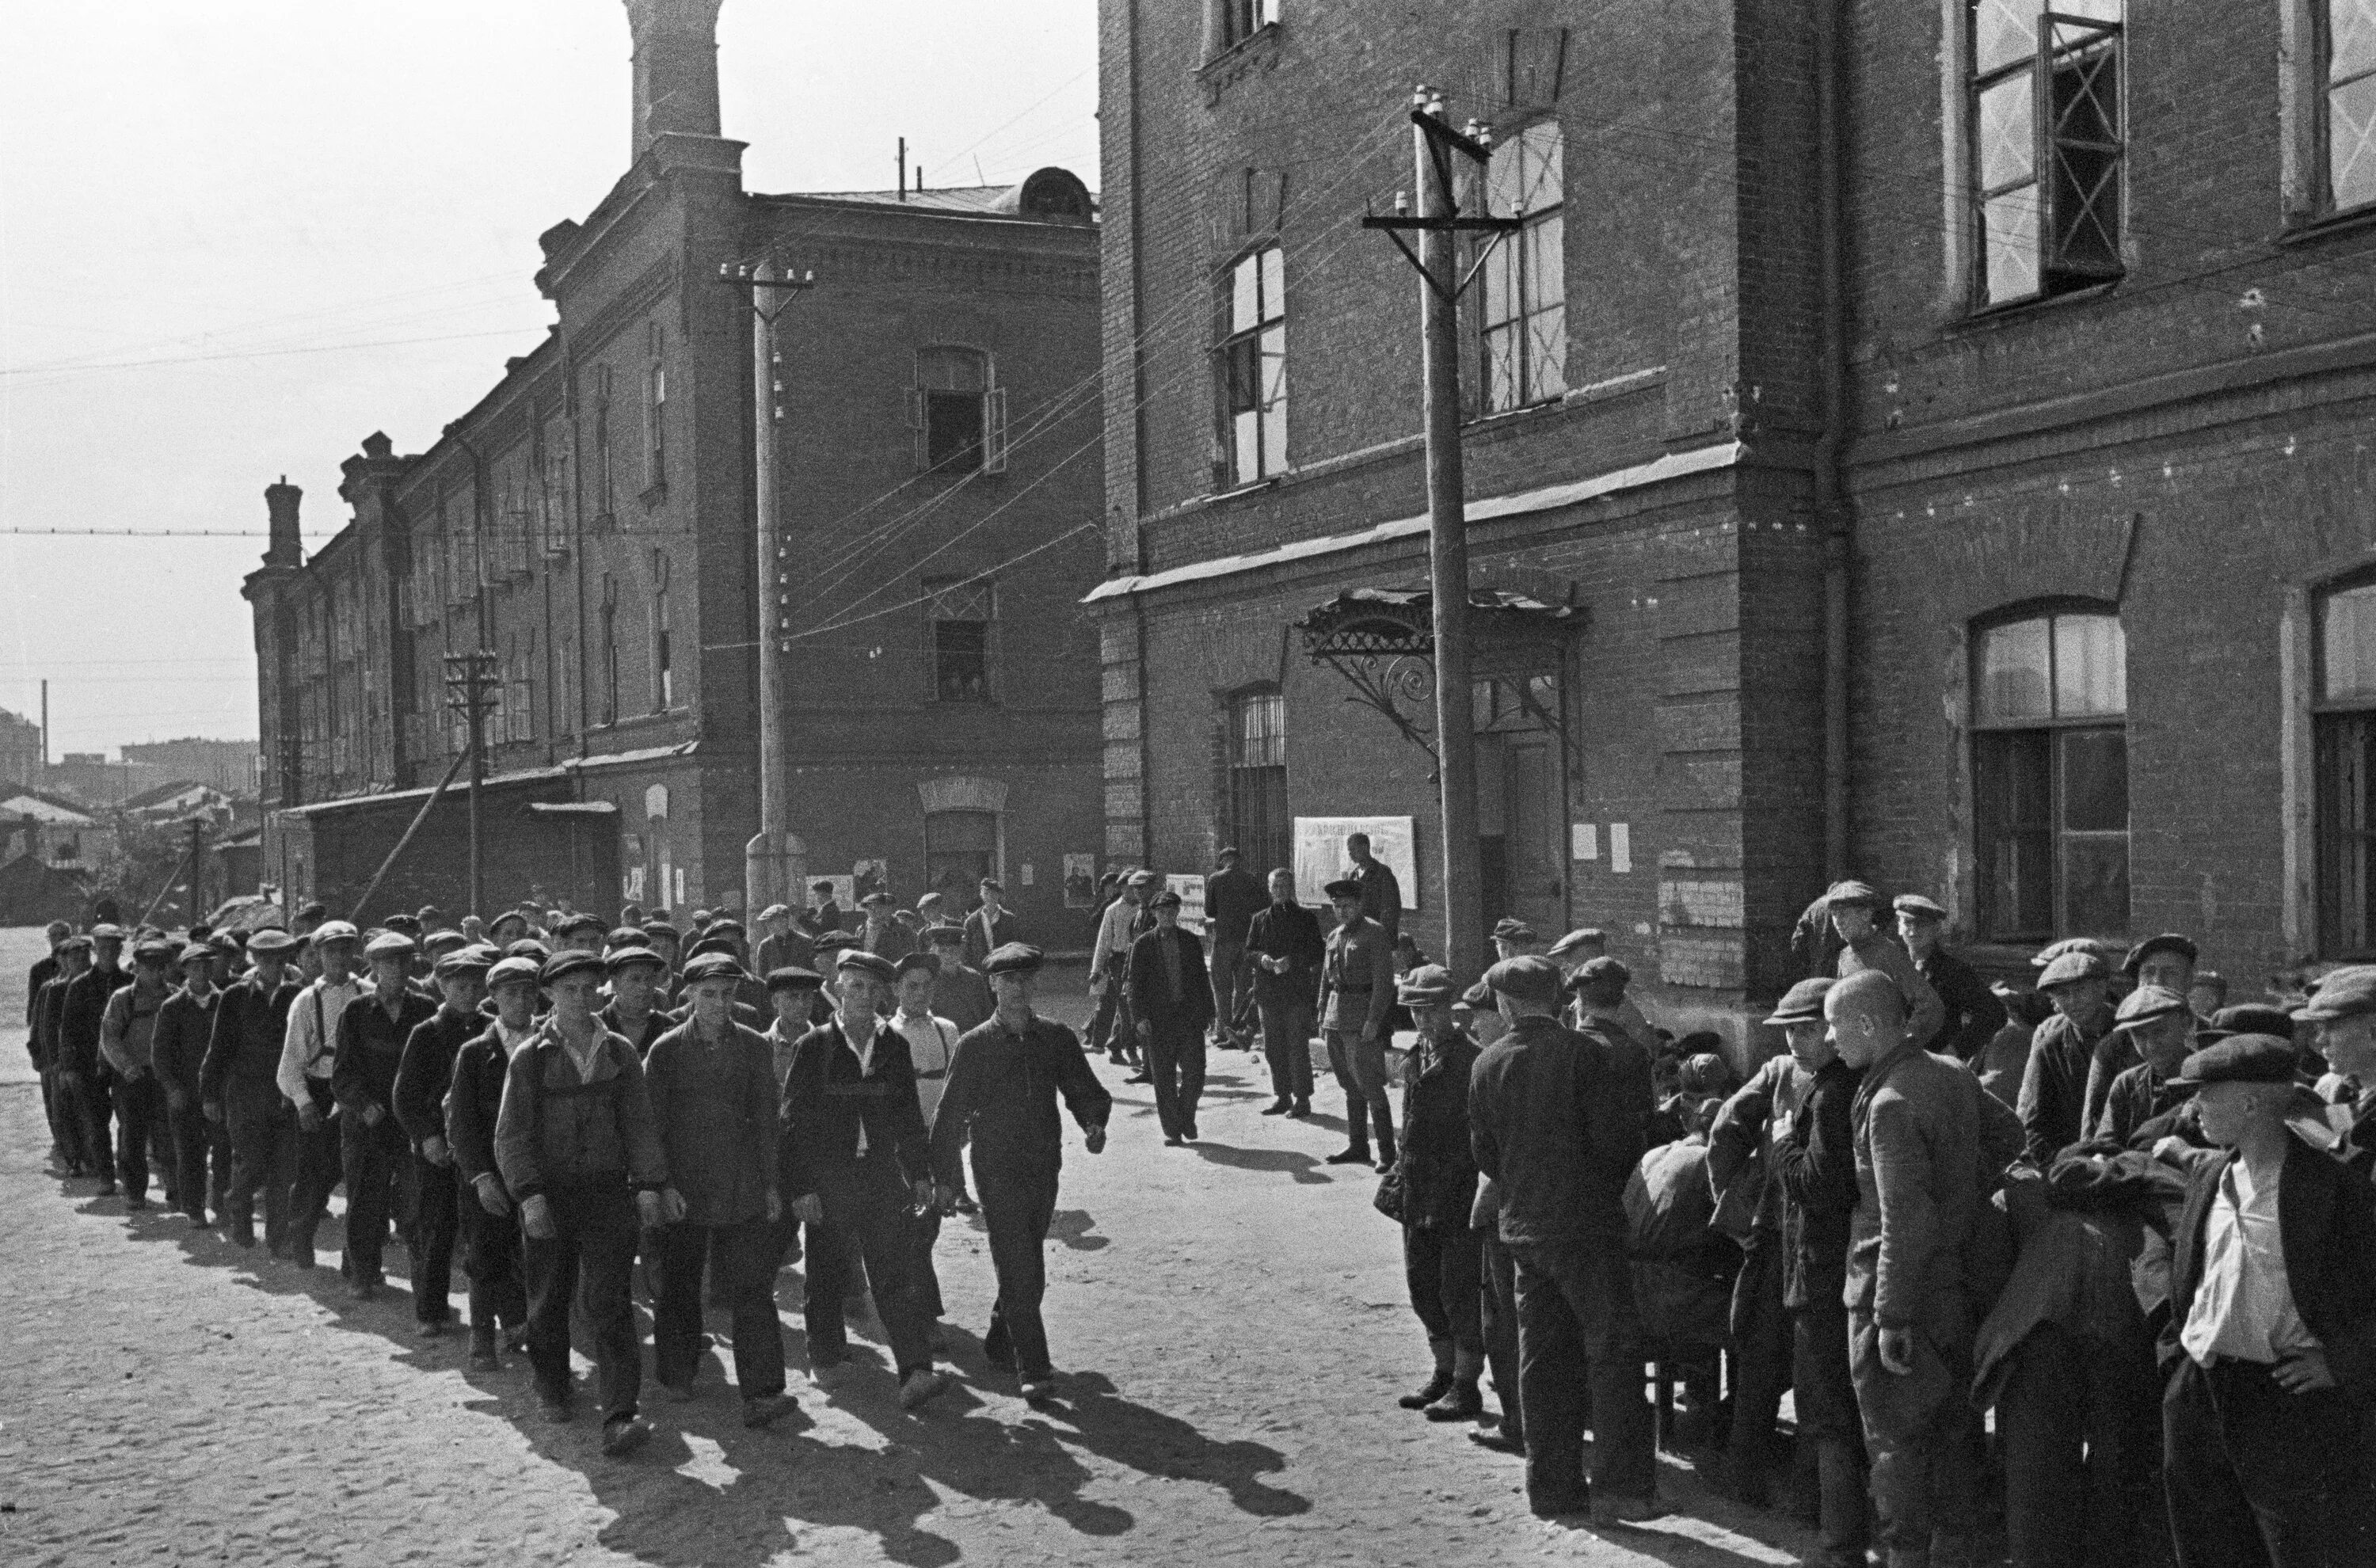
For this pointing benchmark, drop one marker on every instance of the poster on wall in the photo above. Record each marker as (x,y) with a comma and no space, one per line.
(1191,889)
(1320,857)
(1080,881)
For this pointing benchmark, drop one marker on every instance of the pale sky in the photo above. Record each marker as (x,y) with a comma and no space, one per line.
(237,236)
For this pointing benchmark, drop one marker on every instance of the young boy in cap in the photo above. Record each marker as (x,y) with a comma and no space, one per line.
(1001,1096)
(201,1147)
(2271,1339)
(372,1148)
(2159,1028)
(636,974)
(990,926)
(127,1041)
(423,1076)
(2343,1011)
(960,993)
(1436,1173)
(489,1228)
(238,1091)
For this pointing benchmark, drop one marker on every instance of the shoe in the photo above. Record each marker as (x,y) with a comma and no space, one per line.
(1624,1510)
(1301,1109)
(556,1412)
(106,1190)
(482,1349)
(1384,1166)
(1171,1140)
(680,1393)
(436,1328)
(1356,1156)
(828,1375)
(921,1385)
(762,1409)
(1192,1134)
(1279,1107)
(1461,1402)
(1139,1078)
(1001,1355)
(242,1233)
(965,1203)
(1499,1442)
(622,1435)
(136,1202)
(1553,1505)
(363,1289)
(1035,1389)
(1428,1393)
(200,1222)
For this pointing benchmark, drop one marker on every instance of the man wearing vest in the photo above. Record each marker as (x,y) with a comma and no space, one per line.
(307,1057)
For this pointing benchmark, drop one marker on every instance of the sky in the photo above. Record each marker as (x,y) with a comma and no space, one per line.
(236,237)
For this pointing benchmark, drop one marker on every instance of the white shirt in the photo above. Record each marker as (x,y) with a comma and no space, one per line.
(513,1039)
(1113,930)
(932,1040)
(866,1054)
(2243,1309)
(310,1048)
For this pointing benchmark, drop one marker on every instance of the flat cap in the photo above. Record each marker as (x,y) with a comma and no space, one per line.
(1139,877)
(792,977)
(2243,1058)
(2071,968)
(403,922)
(832,942)
(714,966)
(428,912)
(2254,1018)
(825,887)
(1425,986)
(1577,941)
(1528,977)
(1802,1004)
(202,952)
(440,941)
(2053,950)
(1920,908)
(106,932)
(1013,959)
(660,928)
(874,963)
(1229,852)
(1478,997)
(529,947)
(1705,1073)
(313,912)
(155,950)
(1850,893)
(269,939)
(463,961)
(627,936)
(564,964)
(1507,925)
(629,956)
(775,912)
(878,898)
(709,945)
(943,933)
(725,925)
(335,931)
(390,945)
(1514,931)
(1167,899)
(2167,942)
(2146,1004)
(927,962)
(580,921)
(1603,970)
(2345,992)
(1343,887)
(78,942)
(510,969)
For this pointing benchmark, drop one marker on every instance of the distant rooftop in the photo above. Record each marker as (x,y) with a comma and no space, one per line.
(1048,194)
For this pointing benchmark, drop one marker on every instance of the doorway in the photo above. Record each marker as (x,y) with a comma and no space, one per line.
(1521,788)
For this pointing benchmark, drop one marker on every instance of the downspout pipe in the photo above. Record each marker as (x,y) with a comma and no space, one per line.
(1833,512)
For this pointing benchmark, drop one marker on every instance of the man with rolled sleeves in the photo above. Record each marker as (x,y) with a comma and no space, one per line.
(201,1147)
(1854,909)
(373,1149)
(1172,1001)
(423,1078)
(486,1219)
(1973,1012)
(1554,1133)
(1234,895)
(1284,951)
(1002,1098)
(960,993)
(576,1145)
(2052,1106)
(714,1099)
(2271,1340)
(855,1162)
(1356,990)
(238,1091)
(126,1042)
(307,1057)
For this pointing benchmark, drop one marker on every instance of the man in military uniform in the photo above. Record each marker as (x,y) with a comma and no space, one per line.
(423,1076)
(1356,989)
(1973,1012)
(1002,1094)
(238,1091)
(372,1146)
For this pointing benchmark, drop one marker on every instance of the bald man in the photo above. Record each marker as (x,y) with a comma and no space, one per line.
(1931,1147)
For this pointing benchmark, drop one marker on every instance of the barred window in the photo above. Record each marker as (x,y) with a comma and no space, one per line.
(959,616)
(1525,304)
(1257,795)
(1253,367)
(2045,146)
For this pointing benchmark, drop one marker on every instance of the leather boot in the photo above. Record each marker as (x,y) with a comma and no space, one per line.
(1435,1387)
(1461,1402)
(1386,1137)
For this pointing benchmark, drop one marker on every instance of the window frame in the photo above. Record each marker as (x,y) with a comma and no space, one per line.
(1232,344)
(1270,843)
(2057,268)
(938,594)
(1487,256)
(2323,88)
(663,643)
(990,443)
(2332,720)
(1243,19)
(655,412)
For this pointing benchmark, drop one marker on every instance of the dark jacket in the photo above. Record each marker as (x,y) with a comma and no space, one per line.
(1152,998)
(559,1129)
(1550,1124)
(1931,1147)
(715,1106)
(1001,1095)
(1747,1133)
(985,935)
(2328,1230)
(177,1051)
(474,1097)
(657,1022)
(45,969)
(41,1036)
(1815,1171)
(1357,978)
(894,942)
(1382,896)
(371,1048)
(1974,1013)
(2054,1086)
(1437,1164)
(2135,1099)
(791,950)
(80,1020)
(1232,899)
(426,1072)
(828,1099)
(961,994)
(243,1047)
(1291,932)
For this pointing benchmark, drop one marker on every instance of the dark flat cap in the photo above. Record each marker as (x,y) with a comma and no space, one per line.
(714,966)
(2146,1004)
(875,899)
(1343,887)
(2167,942)
(2254,1018)
(832,942)
(566,963)
(1229,852)
(792,977)
(1802,1004)
(462,961)
(1167,899)
(2053,950)
(2243,1058)
(660,928)
(927,962)
(627,936)
(1577,941)
(1425,986)
(440,941)
(1921,909)
(1013,959)
(510,970)
(1507,925)
(529,947)
(1516,931)
(1528,977)
(2071,968)
(1851,893)
(2345,992)
(199,950)
(404,923)
(1603,970)
(266,939)
(943,932)
(390,945)
(709,945)
(874,963)
(627,958)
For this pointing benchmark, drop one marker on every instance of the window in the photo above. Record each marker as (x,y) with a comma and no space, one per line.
(1241,19)
(1258,793)
(516,715)
(663,672)
(1525,303)
(957,412)
(1253,368)
(603,476)
(607,671)
(564,695)
(655,411)
(960,849)
(2051,777)
(461,528)
(2044,122)
(2347,79)
(552,470)
(2345,737)
(959,614)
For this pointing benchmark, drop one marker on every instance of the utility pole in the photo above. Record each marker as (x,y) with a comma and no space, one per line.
(773,866)
(469,684)
(198,864)
(1438,224)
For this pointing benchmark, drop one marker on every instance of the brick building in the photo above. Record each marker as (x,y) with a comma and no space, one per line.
(590,523)
(1918,440)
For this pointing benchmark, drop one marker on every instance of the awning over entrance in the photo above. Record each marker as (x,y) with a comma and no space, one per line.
(1382,642)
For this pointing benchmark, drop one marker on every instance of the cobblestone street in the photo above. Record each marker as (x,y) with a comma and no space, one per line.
(1229,1321)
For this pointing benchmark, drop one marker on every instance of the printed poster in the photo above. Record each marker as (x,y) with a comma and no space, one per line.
(1320,857)
(1080,881)
(1191,900)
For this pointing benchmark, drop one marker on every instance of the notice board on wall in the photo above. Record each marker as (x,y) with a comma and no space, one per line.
(1320,857)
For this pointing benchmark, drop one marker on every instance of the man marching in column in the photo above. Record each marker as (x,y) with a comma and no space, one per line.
(201,1147)
(127,1037)
(307,1057)
(372,1147)
(423,1080)
(237,1090)
(489,1228)
(1001,1095)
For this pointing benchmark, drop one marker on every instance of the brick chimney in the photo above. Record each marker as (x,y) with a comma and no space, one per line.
(281,505)
(675,68)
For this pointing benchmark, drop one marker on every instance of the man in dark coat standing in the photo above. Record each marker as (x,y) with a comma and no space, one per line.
(1974,1013)
(422,1077)
(84,1079)
(1284,950)
(486,1218)
(372,1151)
(238,1091)
(1171,998)
(185,1024)
(2061,1053)
(1436,1176)
(1001,1096)
(1234,895)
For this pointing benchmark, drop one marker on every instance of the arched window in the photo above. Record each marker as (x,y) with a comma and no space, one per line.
(957,412)
(2344,725)
(1258,823)
(2050,775)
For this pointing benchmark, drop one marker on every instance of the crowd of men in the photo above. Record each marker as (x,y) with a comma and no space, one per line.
(556,1100)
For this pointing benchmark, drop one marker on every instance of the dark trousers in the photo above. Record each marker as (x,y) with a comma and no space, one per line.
(1017,1208)
(742,1262)
(490,1260)
(587,1264)
(313,1175)
(1824,1396)
(201,1159)
(2255,1475)
(1175,1057)
(1286,1046)
(2080,1423)
(1762,1347)
(1501,1323)
(1580,1340)
(87,1105)
(372,1160)
(1360,1069)
(876,1230)
(1110,1027)
(923,1235)
(432,1219)
(65,1136)
(1443,1267)
(141,1129)
(263,1160)
(1920,1432)
(1223,964)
